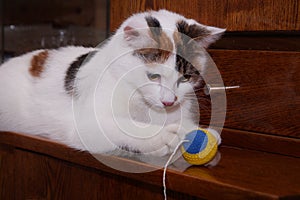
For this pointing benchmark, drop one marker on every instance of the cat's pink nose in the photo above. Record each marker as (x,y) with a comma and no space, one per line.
(168,103)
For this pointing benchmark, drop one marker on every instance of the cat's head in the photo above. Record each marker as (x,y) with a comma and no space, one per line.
(167,55)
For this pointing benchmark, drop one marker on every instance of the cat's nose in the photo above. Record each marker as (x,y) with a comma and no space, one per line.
(169,103)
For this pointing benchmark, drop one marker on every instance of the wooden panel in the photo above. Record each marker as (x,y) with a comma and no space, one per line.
(60,13)
(46,170)
(235,15)
(6,172)
(41,177)
(261,142)
(271,41)
(268,100)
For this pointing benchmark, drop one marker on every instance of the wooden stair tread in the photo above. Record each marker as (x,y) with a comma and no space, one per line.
(241,173)
(263,174)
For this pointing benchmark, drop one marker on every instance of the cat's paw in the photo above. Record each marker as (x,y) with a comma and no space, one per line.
(166,141)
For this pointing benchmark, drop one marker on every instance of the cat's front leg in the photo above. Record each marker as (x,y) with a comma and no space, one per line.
(162,143)
(155,140)
(122,133)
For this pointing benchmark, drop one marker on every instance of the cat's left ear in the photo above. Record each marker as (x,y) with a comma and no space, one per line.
(204,35)
(211,36)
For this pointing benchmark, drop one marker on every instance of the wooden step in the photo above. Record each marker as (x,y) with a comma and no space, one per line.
(36,168)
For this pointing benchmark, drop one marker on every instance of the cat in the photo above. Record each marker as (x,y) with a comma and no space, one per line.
(134,92)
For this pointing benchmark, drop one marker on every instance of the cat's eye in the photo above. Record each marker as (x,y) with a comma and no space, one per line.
(184,78)
(153,77)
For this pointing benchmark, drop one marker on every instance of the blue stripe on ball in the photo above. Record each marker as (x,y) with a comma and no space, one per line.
(198,141)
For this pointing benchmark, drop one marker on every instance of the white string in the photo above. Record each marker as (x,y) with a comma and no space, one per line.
(166,166)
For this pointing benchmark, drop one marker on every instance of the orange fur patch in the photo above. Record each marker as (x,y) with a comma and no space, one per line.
(37,63)
(165,45)
(159,51)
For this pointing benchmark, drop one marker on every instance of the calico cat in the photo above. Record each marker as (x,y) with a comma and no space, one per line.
(134,92)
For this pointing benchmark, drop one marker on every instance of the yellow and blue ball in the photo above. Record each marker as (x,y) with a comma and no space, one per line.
(200,148)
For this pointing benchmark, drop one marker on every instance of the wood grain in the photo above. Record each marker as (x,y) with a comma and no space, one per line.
(270,41)
(235,15)
(6,171)
(59,13)
(268,100)
(261,142)
(34,168)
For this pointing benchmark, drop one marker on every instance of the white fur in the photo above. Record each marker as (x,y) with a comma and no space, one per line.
(117,104)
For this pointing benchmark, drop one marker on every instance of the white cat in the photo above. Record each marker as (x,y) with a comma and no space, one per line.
(135,92)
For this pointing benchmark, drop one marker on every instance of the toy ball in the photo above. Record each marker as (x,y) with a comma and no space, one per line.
(200,148)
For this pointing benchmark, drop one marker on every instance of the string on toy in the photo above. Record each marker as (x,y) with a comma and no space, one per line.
(167,164)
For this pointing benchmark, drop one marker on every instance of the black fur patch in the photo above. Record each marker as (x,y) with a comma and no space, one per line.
(152,22)
(73,70)
(193,31)
(188,50)
(187,69)
(154,26)
(159,51)
(128,149)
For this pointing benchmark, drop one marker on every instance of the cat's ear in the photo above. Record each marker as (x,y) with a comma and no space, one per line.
(204,35)
(136,34)
(130,33)
(213,34)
